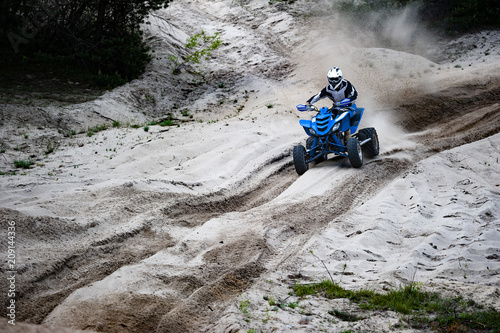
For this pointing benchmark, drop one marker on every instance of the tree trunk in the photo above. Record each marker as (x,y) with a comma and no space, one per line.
(101,14)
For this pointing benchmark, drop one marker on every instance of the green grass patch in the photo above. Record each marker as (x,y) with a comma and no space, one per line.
(12,173)
(98,128)
(244,305)
(167,122)
(24,164)
(422,309)
(186,113)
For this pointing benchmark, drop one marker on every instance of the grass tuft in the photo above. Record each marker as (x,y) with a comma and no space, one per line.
(24,164)
(98,128)
(167,122)
(423,309)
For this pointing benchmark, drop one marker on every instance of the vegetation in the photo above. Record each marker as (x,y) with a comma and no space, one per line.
(465,15)
(200,47)
(92,40)
(24,164)
(96,129)
(422,309)
(244,305)
(168,122)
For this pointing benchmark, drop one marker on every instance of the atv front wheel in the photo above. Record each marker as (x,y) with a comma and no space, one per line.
(355,153)
(299,159)
(371,148)
(309,142)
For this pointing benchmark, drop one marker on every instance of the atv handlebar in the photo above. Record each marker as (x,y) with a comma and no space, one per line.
(337,106)
(306,107)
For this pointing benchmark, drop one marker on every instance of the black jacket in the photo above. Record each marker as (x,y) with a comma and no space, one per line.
(344,90)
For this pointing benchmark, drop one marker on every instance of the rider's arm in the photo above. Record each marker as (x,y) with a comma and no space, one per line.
(317,97)
(351,92)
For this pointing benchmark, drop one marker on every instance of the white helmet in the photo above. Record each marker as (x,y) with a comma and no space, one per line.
(334,77)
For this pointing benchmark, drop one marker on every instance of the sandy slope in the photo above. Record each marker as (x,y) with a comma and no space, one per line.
(169,230)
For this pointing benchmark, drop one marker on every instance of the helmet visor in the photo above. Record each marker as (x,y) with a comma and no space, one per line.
(334,80)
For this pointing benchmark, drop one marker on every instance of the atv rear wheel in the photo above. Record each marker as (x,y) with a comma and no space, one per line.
(299,159)
(370,148)
(355,153)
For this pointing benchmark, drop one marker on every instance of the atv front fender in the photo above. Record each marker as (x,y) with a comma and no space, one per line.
(306,124)
(356,119)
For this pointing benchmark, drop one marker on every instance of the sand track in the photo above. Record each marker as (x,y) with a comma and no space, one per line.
(225,265)
(88,257)
(223,270)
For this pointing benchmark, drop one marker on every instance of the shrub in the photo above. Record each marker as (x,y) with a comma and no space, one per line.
(200,47)
(117,60)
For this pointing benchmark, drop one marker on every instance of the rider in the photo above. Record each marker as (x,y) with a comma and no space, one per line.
(337,89)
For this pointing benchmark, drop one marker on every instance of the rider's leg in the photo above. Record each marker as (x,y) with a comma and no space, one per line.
(347,135)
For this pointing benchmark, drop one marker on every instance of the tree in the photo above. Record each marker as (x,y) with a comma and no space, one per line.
(104,35)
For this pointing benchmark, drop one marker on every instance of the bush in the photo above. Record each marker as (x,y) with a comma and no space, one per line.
(108,81)
(117,60)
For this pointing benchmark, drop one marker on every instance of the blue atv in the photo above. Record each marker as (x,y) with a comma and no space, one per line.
(333,131)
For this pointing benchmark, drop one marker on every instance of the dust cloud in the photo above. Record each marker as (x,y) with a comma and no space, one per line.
(381,55)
